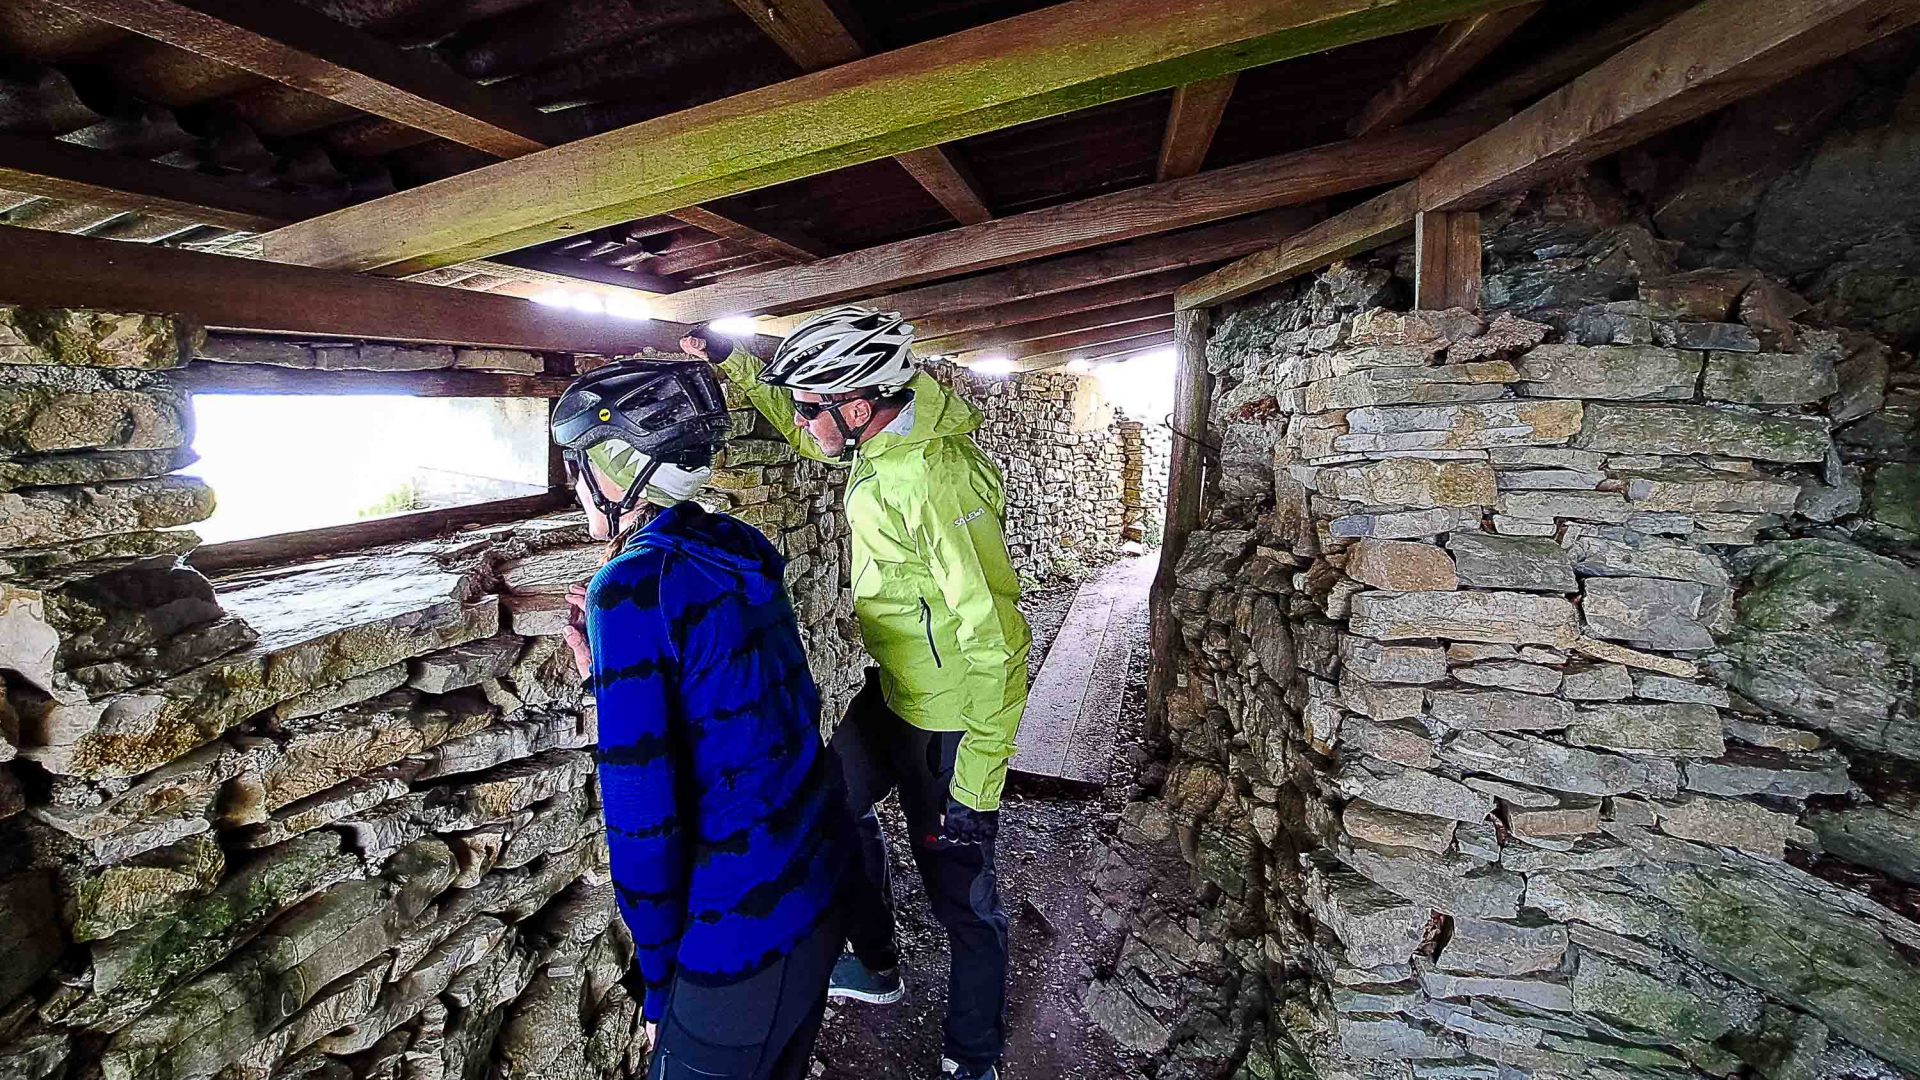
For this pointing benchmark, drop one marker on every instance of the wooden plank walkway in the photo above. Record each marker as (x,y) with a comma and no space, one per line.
(1073,710)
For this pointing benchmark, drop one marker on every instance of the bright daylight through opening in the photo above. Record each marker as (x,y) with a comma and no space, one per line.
(287,463)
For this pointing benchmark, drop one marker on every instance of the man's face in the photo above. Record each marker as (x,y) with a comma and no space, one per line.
(825,431)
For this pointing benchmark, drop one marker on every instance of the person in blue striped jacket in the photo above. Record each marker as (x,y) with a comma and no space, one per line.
(725,816)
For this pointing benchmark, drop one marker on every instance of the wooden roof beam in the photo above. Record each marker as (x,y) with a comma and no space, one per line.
(1056,60)
(814,35)
(1136,341)
(1192,123)
(1102,294)
(1018,333)
(298,47)
(1705,59)
(1580,53)
(44,269)
(985,294)
(1459,48)
(1288,179)
(1062,344)
(59,170)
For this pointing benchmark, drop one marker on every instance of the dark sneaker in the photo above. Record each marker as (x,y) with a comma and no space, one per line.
(950,1068)
(854,981)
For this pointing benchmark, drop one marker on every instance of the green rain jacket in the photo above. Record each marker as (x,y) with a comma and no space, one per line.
(934,591)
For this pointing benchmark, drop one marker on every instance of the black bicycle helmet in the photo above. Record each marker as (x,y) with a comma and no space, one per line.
(672,411)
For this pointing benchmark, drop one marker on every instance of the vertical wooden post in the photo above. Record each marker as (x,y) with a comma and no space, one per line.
(1186,477)
(556,465)
(1446,251)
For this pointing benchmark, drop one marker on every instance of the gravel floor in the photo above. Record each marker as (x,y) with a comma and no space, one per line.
(1048,832)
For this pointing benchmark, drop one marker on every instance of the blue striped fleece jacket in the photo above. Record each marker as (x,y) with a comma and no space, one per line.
(724,813)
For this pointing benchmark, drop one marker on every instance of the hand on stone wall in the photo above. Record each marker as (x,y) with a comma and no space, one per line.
(576,632)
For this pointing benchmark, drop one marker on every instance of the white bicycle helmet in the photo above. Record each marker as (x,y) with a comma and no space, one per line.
(845,349)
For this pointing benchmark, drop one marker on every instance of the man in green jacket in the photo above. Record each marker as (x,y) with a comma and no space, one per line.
(937,601)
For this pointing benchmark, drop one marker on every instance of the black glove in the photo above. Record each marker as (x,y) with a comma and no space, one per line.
(719,345)
(965,825)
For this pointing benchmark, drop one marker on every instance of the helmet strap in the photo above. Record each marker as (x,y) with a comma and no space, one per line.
(851,437)
(615,511)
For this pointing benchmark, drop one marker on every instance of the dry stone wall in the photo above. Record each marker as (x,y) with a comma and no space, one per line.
(1547,696)
(336,819)
(1081,479)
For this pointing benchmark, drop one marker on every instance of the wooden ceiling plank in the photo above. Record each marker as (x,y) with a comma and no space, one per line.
(1459,48)
(1131,338)
(1016,333)
(792,244)
(44,269)
(1712,55)
(1060,59)
(1191,124)
(1099,295)
(574,269)
(58,170)
(298,47)
(814,35)
(292,44)
(1288,179)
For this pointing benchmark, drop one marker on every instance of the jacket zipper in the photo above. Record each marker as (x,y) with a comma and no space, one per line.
(926,617)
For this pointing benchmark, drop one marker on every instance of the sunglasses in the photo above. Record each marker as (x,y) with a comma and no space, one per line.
(813,410)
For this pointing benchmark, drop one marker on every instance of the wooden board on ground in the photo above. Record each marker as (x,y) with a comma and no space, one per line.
(1073,710)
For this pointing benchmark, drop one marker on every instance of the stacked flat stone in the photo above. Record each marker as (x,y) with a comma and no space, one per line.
(336,819)
(1147,450)
(1068,498)
(1530,669)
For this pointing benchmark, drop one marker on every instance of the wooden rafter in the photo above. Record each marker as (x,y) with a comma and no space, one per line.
(788,243)
(1102,294)
(1459,48)
(45,269)
(1711,56)
(1040,329)
(1579,54)
(1288,179)
(291,44)
(62,170)
(1066,57)
(816,37)
(1191,124)
(1124,261)
(220,378)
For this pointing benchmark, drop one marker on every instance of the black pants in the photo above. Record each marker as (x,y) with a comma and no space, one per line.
(759,1028)
(879,752)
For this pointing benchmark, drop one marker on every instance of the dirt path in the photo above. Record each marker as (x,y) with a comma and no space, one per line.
(1049,836)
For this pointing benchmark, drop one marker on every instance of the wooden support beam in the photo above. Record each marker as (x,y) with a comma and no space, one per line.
(1060,347)
(813,34)
(1446,256)
(207,377)
(1711,56)
(292,44)
(950,182)
(1102,295)
(1191,124)
(1065,273)
(59,170)
(1378,221)
(1288,179)
(1018,333)
(1186,480)
(1066,57)
(400,528)
(44,269)
(1127,350)
(1459,48)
